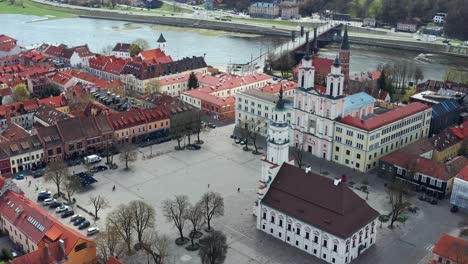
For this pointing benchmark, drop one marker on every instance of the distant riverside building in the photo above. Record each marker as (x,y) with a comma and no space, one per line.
(121,50)
(264,10)
(369,22)
(439,18)
(315,214)
(460,189)
(289,10)
(407,25)
(8,46)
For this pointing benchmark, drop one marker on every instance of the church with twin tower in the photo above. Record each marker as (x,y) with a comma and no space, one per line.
(313,213)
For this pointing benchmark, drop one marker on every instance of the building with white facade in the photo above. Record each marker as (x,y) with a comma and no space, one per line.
(313,213)
(25,153)
(120,50)
(460,189)
(439,18)
(317,108)
(256,106)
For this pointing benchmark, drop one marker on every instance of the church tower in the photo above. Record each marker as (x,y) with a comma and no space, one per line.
(335,80)
(161,43)
(345,54)
(277,148)
(278,134)
(306,74)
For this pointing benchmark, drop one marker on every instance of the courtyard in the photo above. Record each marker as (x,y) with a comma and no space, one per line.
(223,167)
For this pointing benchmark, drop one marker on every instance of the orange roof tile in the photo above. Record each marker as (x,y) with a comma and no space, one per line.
(451,247)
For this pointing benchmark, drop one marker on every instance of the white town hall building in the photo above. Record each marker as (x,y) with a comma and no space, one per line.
(316,214)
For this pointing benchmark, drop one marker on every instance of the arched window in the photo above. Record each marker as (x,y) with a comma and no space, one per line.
(302,80)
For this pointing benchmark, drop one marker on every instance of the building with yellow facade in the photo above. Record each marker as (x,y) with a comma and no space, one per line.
(359,142)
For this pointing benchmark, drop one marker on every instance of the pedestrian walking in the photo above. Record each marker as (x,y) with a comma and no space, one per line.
(113,188)
(208,185)
(238,189)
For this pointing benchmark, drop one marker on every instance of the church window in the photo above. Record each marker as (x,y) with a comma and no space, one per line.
(331,89)
(326,130)
(328,113)
(302,80)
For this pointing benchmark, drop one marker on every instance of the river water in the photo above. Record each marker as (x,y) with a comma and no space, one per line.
(220,48)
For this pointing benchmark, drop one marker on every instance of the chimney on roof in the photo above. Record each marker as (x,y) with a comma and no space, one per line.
(62,246)
(46,249)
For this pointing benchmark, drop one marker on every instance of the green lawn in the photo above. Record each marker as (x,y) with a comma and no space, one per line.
(31,8)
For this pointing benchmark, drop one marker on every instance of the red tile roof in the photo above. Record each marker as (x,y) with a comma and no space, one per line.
(461,131)
(463,174)
(451,247)
(322,65)
(7,43)
(49,254)
(61,78)
(14,132)
(385,118)
(205,96)
(155,56)
(127,119)
(155,114)
(439,170)
(54,101)
(173,80)
(275,88)
(444,140)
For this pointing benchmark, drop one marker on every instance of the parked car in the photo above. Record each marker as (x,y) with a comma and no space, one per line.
(92,230)
(55,205)
(92,159)
(237,141)
(49,201)
(193,147)
(61,209)
(454,209)
(37,174)
(242,142)
(78,221)
(19,177)
(98,168)
(43,195)
(84,225)
(67,213)
(211,125)
(74,217)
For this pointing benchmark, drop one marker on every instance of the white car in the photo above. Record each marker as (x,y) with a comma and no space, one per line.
(61,208)
(74,217)
(49,201)
(92,231)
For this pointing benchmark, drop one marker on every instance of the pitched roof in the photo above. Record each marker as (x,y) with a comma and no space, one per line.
(322,65)
(14,132)
(89,127)
(445,107)
(54,101)
(274,88)
(463,174)
(126,119)
(419,147)
(155,54)
(121,47)
(385,118)
(103,124)
(315,200)
(50,115)
(49,254)
(71,129)
(452,248)
(444,140)
(22,145)
(429,167)
(357,101)
(161,39)
(49,135)
(155,114)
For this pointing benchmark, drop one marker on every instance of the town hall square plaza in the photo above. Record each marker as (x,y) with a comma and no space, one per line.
(222,166)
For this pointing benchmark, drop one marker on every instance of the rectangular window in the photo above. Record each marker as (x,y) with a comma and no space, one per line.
(272,219)
(289,227)
(337,148)
(315,239)
(298,231)
(264,216)
(335,248)
(324,243)
(307,235)
(280,223)
(439,183)
(432,182)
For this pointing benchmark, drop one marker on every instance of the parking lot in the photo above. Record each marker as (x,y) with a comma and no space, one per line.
(222,166)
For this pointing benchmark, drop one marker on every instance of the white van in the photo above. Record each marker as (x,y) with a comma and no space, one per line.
(92,159)
(92,231)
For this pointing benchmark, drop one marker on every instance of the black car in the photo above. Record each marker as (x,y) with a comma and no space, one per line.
(78,221)
(67,213)
(43,195)
(211,125)
(454,209)
(98,168)
(37,174)
(84,225)
(55,204)
(193,147)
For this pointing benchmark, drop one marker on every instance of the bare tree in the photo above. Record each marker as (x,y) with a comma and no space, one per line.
(108,243)
(178,129)
(107,50)
(110,150)
(213,248)
(98,202)
(128,154)
(176,211)
(156,246)
(196,218)
(213,206)
(298,154)
(56,172)
(198,127)
(245,134)
(254,129)
(70,186)
(144,217)
(122,220)
(395,192)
